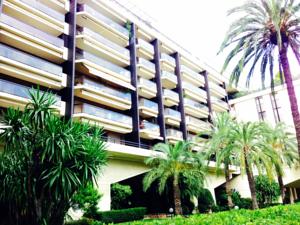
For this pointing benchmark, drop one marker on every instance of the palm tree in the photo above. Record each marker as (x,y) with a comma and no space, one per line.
(45,161)
(173,163)
(285,144)
(252,152)
(263,28)
(219,146)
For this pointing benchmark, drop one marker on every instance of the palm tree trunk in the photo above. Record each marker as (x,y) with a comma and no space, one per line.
(251,182)
(282,188)
(227,188)
(291,91)
(177,197)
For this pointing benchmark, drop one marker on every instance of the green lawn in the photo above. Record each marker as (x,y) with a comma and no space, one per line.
(278,215)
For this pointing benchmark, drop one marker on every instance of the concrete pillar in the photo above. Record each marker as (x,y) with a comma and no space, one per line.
(295,193)
(105,201)
(292,200)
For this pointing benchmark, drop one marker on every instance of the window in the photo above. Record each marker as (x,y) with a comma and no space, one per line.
(275,106)
(260,108)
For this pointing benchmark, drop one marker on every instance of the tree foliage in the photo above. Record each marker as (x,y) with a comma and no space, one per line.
(46,159)
(267,190)
(119,195)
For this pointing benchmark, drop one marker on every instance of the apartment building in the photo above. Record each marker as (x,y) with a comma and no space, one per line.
(109,67)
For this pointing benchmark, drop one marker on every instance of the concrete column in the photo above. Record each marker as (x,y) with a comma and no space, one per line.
(292,200)
(105,201)
(295,193)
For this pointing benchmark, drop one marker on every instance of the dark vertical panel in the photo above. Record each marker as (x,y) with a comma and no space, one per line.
(180,93)
(205,74)
(69,65)
(161,118)
(226,96)
(135,135)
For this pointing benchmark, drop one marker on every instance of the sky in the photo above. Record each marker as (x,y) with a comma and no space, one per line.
(198,25)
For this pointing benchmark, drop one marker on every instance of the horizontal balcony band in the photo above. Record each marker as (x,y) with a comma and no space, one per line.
(194,92)
(219,105)
(146,88)
(195,109)
(170,98)
(169,80)
(62,6)
(37,42)
(148,108)
(217,90)
(173,135)
(23,66)
(107,119)
(172,117)
(192,77)
(195,125)
(145,49)
(99,23)
(145,68)
(149,131)
(17,96)
(102,47)
(34,14)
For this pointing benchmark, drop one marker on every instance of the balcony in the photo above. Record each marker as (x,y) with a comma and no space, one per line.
(217,90)
(62,6)
(170,98)
(95,66)
(102,47)
(195,125)
(219,105)
(198,142)
(99,93)
(169,80)
(192,77)
(99,23)
(26,67)
(17,96)
(145,49)
(173,136)
(194,92)
(109,120)
(37,15)
(195,109)
(145,68)
(216,78)
(23,36)
(149,131)
(167,62)
(148,108)
(172,117)
(146,88)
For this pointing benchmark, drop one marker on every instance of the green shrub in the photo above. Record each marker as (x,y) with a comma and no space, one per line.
(121,215)
(119,195)
(242,203)
(205,200)
(83,221)
(267,191)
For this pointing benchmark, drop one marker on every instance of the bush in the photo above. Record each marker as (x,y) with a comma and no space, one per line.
(242,203)
(83,221)
(121,215)
(119,195)
(205,200)
(267,191)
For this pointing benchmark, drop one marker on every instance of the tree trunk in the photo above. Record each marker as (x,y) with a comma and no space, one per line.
(177,197)
(291,91)
(251,182)
(281,186)
(227,188)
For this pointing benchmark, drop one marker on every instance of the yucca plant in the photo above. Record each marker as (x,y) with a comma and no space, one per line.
(263,32)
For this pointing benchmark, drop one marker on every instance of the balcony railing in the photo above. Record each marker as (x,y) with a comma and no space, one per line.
(194,89)
(103,113)
(148,104)
(109,90)
(147,64)
(216,88)
(106,42)
(146,45)
(146,125)
(171,94)
(174,133)
(20,90)
(196,122)
(147,83)
(29,60)
(14,23)
(103,63)
(170,60)
(195,104)
(173,113)
(45,9)
(106,20)
(169,80)
(192,76)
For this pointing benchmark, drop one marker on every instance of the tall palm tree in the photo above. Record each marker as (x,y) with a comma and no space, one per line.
(285,144)
(252,152)
(219,146)
(265,28)
(174,163)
